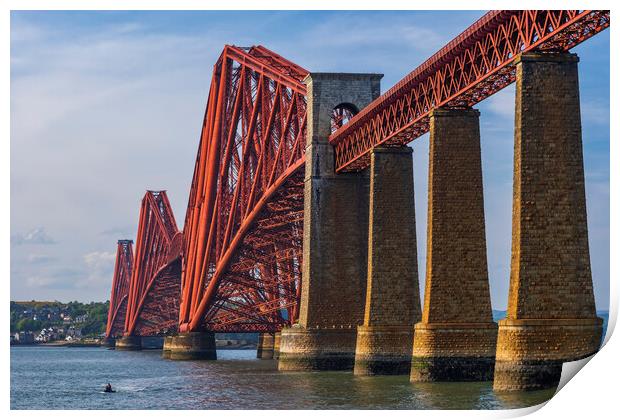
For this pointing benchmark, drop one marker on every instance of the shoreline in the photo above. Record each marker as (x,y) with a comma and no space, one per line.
(69,344)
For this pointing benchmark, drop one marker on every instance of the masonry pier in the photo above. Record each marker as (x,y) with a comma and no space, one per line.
(129,343)
(108,342)
(264,349)
(455,341)
(551,315)
(335,241)
(384,341)
(155,342)
(193,346)
(165,353)
(276,345)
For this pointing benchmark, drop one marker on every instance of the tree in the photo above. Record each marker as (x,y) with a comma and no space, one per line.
(28,324)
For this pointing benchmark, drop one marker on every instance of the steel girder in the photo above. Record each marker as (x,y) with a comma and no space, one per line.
(242,253)
(120,288)
(153,299)
(476,64)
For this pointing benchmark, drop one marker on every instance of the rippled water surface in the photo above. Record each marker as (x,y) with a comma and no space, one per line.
(72,378)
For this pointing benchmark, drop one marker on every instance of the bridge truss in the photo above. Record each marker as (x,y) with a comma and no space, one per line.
(241,245)
(244,218)
(473,66)
(120,289)
(153,299)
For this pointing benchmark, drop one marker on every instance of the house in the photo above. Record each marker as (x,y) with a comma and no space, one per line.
(74,333)
(80,319)
(25,337)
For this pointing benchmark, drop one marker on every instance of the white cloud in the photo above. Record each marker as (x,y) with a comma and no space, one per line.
(99,259)
(502,104)
(37,236)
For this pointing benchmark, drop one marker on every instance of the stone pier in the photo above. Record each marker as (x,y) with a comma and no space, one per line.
(193,346)
(384,341)
(129,343)
(335,241)
(165,353)
(108,342)
(276,345)
(264,349)
(152,342)
(455,341)
(551,316)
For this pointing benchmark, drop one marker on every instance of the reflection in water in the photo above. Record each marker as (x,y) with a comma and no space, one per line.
(524,399)
(456,395)
(72,378)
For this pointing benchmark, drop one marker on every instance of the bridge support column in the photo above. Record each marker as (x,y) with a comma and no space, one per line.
(193,346)
(152,342)
(335,241)
(166,350)
(108,342)
(551,315)
(264,349)
(129,343)
(384,342)
(456,339)
(276,345)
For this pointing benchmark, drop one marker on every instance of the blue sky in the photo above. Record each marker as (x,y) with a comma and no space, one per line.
(105,105)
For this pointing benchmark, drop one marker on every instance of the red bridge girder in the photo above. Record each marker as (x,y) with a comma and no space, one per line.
(153,299)
(475,65)
(120,288)
(242,254)
(244,221)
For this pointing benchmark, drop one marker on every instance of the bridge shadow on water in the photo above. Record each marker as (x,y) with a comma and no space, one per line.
(248,383)
(64,378)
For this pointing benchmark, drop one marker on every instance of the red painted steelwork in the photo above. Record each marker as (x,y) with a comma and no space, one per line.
(242,254)
(243,227)
(153,300)
(120,288)
(473,66)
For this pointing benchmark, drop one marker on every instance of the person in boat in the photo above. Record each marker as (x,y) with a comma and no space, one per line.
(108,388)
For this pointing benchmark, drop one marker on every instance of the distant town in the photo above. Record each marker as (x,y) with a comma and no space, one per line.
(71,324)
(57,323)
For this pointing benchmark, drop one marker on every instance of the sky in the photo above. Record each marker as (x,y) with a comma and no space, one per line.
(105,105)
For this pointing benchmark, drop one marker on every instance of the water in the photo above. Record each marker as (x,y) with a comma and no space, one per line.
(73,378)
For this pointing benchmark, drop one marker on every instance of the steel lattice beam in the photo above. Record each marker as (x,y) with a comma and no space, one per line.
(472,67)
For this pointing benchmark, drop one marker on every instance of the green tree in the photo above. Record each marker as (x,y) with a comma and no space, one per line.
(28,324)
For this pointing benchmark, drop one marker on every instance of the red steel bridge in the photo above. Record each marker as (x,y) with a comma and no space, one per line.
(237,265)
(145,295)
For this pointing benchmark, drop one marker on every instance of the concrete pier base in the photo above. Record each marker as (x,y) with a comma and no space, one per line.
(306,349)
(152,343)
(383,350)
(530,353)
(108,342)
(129,343)
(453,352)
(276,345)
(165,353)
(264,349)
(193,346)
